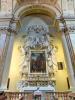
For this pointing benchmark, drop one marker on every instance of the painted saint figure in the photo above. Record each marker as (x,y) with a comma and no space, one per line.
(38,62)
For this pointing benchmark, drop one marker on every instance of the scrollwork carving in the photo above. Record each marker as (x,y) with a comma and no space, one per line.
(37,38)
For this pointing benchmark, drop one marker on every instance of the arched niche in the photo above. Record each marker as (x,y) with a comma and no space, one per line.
(39,19)
(50,10)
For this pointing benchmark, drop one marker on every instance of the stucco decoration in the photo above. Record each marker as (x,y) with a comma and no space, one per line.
(37,38)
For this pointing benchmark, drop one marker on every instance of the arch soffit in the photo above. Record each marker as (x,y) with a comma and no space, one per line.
(43,9)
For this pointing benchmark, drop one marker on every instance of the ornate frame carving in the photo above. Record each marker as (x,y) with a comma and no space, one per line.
(38,51)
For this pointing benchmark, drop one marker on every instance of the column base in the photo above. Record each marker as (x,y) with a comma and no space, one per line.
(72,89)
(2,88)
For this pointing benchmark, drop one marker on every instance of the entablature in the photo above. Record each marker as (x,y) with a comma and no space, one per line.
(37,1)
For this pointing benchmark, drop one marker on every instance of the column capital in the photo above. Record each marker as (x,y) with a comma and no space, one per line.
(9,25)
(7,31)
(12,26)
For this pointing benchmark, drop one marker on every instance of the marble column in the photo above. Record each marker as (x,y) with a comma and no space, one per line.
(68,60)
(3,56)
(7,62)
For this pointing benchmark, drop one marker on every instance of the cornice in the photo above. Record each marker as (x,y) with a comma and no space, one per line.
(67,18)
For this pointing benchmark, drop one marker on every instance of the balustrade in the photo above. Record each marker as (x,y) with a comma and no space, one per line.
(18,96)
(72,96)
(57,96)
(47,96)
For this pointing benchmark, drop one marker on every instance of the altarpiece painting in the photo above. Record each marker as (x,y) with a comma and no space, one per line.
(38,62)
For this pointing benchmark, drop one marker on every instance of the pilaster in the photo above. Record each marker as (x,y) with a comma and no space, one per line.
(7,62)
(69,63)
(10,36)
(68,50)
